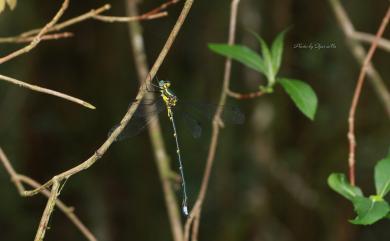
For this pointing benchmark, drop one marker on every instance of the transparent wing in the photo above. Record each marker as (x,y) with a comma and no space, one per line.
(231,114)
(197,114)
(192,124)
(145,113)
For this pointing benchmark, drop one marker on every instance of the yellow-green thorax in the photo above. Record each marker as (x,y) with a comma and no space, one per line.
(168,96)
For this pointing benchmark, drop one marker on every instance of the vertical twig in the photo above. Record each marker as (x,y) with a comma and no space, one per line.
(194,217)
(356,96)
(48,210)
(162,159)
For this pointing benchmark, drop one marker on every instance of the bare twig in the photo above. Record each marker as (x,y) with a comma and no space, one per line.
(94,14)
(359,53)
(241,96)
(152,14)
(37,38)
(163,6)
(18,180)
(369,38)
(356,96)
(194,217)
(48,210)
(68,211)
(47,91)
(112,19)
(70,22)
(44,37)
(161,157)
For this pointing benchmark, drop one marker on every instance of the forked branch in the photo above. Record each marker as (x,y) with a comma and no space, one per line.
(114,134)
(359,53)
(19,179)
(37,39)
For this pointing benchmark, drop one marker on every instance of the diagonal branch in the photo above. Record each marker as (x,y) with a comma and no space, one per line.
(69,22)
(19,179)
(359,53)
(92,14)
(43,224)
(37,38)
(27,39)
(152,14)
(369,38)
(47,91)
(112,19)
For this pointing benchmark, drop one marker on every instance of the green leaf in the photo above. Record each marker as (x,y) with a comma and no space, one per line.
(241,54)
(266,54)
(277,51)
(369,210)
(382,176)
(302,94)
(338,182)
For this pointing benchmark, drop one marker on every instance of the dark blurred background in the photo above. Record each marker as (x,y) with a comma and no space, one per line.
(269,178)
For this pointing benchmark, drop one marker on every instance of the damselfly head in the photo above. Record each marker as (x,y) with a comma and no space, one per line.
(164,84)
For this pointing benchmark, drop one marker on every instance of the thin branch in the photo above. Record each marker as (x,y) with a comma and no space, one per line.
(161,156)
(44,37)
(369,38)
(356,96)
(93,13)
(68,211)
(142,90)
(163,6)
(43,224)
(112,19)
(18,180)
(152,14)
(47,91)
(194,217)
(242,96)
(37,38)
(359,53)
(70,22)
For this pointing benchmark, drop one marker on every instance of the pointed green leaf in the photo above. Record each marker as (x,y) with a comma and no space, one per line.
(241,54)
(369,210)
(338,182)
(277,51)
(266,54)
(302,94)
(382,176)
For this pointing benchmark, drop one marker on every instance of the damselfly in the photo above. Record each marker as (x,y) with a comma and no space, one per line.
(191,112)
